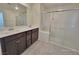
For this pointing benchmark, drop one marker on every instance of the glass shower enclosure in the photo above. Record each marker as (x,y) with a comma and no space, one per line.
(64,28)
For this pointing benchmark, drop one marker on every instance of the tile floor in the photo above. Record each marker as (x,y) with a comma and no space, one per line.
(46,48)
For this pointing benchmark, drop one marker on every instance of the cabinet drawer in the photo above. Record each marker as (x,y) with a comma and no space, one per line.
(13,37)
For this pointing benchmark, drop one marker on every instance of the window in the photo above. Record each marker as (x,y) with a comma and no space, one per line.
(1,20)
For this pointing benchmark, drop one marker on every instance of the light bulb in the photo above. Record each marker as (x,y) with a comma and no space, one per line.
(16,8)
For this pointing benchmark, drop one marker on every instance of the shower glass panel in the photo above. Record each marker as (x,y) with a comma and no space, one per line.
(65,28)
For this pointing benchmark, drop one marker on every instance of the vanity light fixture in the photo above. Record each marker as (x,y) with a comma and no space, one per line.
(16,7)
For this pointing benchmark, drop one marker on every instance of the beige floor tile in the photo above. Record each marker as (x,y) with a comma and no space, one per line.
(46,48)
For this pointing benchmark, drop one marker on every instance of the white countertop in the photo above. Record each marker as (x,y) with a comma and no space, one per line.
(17,29)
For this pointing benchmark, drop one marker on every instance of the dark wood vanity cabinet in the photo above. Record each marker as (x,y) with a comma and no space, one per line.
(17,43)
(32,36)
(16,47)
(14,44)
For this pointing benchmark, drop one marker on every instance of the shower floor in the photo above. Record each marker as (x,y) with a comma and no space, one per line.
(47,48)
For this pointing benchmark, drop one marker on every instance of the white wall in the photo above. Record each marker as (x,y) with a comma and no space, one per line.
(33,15)
(36,14)
(29,16)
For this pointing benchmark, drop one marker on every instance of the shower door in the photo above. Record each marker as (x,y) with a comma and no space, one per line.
(65,28)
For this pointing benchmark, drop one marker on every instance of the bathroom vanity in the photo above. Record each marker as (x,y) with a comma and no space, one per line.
(16,41)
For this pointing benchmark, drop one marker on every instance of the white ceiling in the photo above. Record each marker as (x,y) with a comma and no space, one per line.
(50,5)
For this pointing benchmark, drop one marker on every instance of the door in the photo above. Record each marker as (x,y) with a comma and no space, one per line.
(29,38)
(21,44)
(34,35)
(11,48)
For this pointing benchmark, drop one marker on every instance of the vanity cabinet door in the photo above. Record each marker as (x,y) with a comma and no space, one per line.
(29,38)
(16,47)
(11,48)
(35,35)
(21,44)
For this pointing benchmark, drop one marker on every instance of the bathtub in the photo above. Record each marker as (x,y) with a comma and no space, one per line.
(43,35)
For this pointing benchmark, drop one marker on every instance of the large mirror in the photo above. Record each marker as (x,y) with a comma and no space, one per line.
(14,14)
